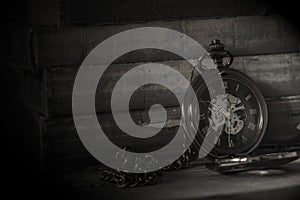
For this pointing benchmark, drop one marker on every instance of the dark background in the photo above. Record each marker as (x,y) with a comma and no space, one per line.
(25,112)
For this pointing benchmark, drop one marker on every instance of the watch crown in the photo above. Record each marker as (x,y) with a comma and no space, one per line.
(216,45)
(217,52)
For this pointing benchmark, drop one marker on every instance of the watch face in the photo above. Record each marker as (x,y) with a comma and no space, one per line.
(244,117)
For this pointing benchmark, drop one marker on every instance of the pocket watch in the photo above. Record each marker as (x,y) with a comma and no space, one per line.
(245,116)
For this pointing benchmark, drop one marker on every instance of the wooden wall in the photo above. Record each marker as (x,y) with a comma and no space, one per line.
(24,97)
(266,47)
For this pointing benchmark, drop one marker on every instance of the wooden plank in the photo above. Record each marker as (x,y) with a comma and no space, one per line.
(276,75)
(74,153)
(194,183)
(242,35)
(65,148)
(284,120)
(60,85)
(115,12)
(63,129)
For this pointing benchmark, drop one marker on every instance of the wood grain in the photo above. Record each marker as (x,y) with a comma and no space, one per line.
(64,147)
(249,35)
(276,75)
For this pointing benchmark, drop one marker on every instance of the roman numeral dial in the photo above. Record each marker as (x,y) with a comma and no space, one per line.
(243,114)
